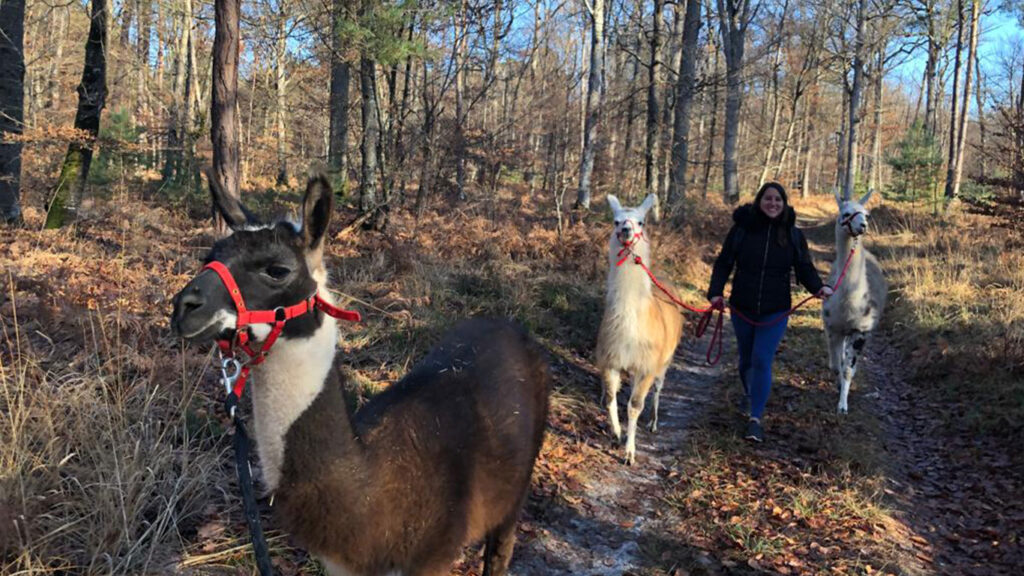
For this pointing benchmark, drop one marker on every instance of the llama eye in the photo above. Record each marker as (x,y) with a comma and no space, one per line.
(640,223)
(277,272)
(616,222)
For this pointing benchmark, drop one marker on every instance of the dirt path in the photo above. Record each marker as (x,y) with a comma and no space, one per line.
(612,524)
(959,494)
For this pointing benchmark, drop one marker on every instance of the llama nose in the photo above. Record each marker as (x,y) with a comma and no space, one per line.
(189,300)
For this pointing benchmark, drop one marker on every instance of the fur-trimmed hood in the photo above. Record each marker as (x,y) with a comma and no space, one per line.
(751,218)
(763,252)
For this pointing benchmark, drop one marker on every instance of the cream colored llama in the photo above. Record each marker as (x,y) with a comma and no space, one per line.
(640,328)
(856,307)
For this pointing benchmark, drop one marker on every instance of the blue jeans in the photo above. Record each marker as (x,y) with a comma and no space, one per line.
(757,347)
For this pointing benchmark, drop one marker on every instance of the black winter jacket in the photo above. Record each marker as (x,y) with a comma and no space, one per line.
(762,283)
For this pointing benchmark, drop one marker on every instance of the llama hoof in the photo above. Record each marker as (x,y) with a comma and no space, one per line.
(630,458)
(841,410)
(653,426)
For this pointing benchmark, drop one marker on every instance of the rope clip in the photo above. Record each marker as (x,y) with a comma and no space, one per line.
(230,370)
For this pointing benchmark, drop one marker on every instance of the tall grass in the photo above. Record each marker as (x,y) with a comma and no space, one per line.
(105,460)
(959,311)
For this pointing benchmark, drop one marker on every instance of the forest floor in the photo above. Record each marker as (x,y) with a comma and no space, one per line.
(116,458)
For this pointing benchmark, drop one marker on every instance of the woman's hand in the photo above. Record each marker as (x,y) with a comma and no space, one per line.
(825,291)
(717,302)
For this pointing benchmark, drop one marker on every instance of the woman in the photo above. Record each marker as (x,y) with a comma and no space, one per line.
(763,245)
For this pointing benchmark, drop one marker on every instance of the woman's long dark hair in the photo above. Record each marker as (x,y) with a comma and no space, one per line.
(782,236)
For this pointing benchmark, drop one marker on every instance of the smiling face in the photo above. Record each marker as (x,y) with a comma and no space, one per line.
(272,265)
(772,203)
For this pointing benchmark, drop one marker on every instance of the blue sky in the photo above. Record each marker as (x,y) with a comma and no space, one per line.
(1000,34)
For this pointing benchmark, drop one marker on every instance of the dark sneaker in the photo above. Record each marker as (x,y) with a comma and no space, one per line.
(754,432)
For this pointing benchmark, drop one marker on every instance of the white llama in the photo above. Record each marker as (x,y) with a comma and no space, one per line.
(856,307)
(640,328)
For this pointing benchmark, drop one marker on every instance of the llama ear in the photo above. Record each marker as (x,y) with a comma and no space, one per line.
(651,201)
(864,200)
(613,203)
(316,211)
(229,207)
(839,199)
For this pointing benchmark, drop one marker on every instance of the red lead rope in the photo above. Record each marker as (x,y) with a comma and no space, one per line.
(706,313)
(278,317)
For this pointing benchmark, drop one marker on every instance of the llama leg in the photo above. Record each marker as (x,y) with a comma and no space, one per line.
(847,359)
(836,353)
(854,346)
(498,547)
(659,382)
(636,405)
(857,341)
(612,381)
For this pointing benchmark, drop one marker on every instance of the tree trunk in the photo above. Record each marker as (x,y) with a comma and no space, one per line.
(127,15)
(161,42)
(874,180)
(12,101)
(53,98)
(280,55)
(980,103)
(337,149)
(145,21)
(651,154)
(936,45)
(175,136)
(953,187)
(426,145)
(595,86)
(402,115)
(368,147)
(776,105)
(384,127)
(634,74)
(461,33)
(92,95)
(709,157)
(734,16)
(224,100)
(954,99)
(806,139)
(849,174)
(685,88)
(784,148)
(338,146)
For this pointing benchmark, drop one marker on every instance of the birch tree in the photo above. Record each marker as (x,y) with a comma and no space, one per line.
(595,89)
(734,19)
(958,122)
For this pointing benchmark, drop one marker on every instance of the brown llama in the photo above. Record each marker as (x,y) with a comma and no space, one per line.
(641,327)
(439,460)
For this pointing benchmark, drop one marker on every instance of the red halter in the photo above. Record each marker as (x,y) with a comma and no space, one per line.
(627,247)
(278,317)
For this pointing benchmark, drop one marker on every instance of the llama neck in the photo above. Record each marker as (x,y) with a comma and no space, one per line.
(627,283)
(844,244)
(286,384)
